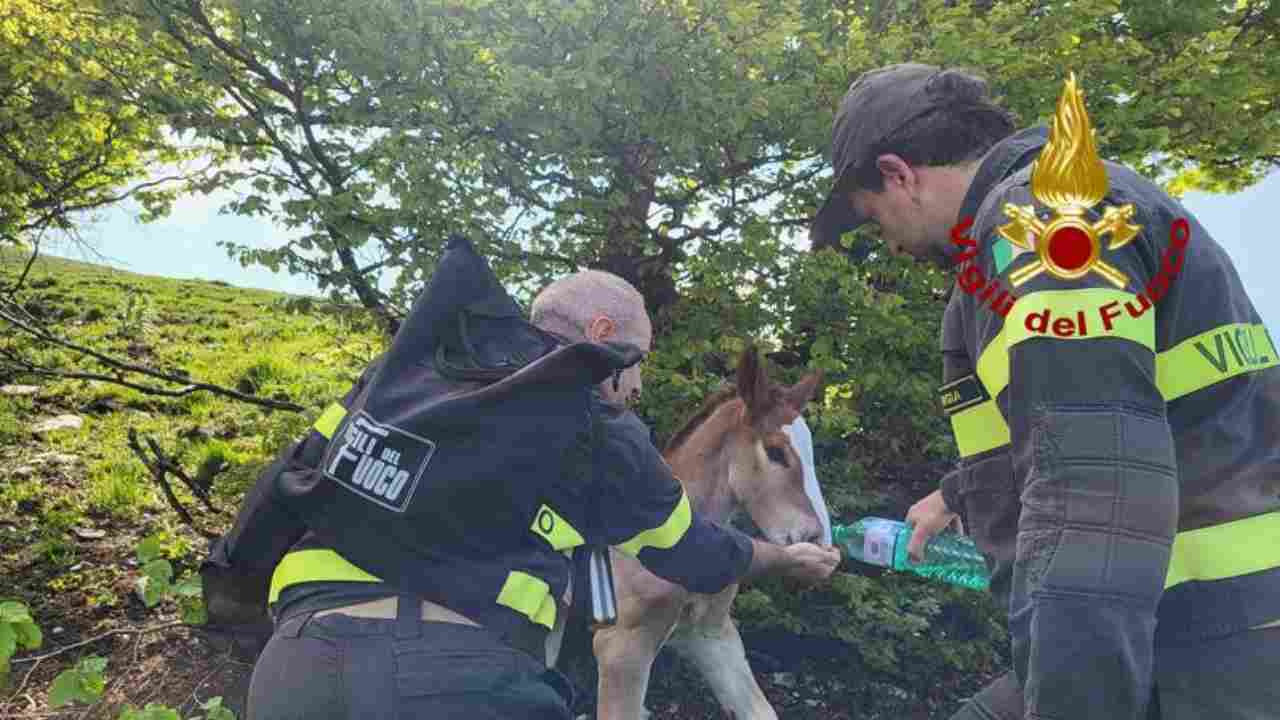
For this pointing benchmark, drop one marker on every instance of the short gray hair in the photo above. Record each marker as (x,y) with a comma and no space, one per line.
(567,305)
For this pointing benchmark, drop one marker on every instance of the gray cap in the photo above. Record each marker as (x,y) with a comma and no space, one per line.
(878,103)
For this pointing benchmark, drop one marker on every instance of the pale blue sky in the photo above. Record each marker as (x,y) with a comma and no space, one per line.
(184,245)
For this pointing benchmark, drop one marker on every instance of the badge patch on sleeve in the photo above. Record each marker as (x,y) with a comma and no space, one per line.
(962,393)
(380,463)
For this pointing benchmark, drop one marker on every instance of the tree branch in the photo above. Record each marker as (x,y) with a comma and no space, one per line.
(160,468)
(189,387)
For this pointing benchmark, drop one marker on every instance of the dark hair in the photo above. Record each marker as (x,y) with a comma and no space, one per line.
(964,125)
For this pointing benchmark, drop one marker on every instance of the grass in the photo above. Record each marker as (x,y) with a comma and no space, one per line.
(258,342)
(76,503)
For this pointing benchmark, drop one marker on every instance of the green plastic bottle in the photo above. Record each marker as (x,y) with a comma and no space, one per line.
(948,557)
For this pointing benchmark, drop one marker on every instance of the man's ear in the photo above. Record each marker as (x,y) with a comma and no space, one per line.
(601,329)
(895,171)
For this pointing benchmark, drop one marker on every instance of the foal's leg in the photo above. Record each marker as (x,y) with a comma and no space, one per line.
(648,609)
(625,659)
(713,645)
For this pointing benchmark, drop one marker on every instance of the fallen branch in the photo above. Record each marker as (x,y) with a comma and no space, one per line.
(160,467)
(96,638)
(23,686)
(9,315)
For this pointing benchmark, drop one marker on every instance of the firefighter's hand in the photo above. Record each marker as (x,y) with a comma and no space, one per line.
(808,564)
(928,517)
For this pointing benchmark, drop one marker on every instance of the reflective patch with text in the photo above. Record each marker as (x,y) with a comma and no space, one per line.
(381,463)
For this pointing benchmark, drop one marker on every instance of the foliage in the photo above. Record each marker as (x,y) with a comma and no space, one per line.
(646,137)
(83,683)
(17,631)
(69,140)
(155,583)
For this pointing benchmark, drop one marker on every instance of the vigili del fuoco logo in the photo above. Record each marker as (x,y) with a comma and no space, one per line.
(1069,178)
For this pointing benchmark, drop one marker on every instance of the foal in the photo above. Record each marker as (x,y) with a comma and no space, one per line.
(733,455)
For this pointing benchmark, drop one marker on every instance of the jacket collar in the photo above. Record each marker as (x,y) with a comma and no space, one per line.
(1007,157)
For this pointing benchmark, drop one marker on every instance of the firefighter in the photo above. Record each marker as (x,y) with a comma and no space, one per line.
(1116,412)
(414,547)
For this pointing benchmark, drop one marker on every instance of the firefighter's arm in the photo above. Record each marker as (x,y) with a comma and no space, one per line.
(1094,454)
(645,513)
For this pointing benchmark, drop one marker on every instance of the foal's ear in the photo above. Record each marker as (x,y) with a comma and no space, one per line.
(753,382)
(799,395)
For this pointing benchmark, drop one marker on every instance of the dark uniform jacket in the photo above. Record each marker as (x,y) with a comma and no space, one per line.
(1120,463)
(466,467)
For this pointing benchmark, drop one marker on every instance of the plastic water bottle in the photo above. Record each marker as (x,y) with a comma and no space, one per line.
(948,557)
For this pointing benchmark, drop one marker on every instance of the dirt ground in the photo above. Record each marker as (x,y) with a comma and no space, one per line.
(182,668)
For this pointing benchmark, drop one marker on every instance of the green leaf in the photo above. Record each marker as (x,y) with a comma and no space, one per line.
(94,665)
(29,635)
(194,612)
(214,710)
(149,591)
(189,586)
(160,571)
(77,685)
(149,549)
(8,640)
(14,612)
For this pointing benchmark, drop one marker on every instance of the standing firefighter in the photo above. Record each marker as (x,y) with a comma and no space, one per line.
(1117,421)
(414,547)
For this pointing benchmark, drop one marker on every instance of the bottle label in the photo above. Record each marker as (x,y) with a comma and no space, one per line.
(878,543)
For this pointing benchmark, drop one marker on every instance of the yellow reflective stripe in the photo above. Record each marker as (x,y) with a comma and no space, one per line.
(328,421)
(316,565)
(546,615)
(555,529)
(1211,357)
(665,535)
(979,428)
(1227,550)
(530,597)
(1193,364)
(1080,315)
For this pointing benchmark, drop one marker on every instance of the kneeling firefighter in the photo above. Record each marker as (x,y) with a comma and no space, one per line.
(413,548)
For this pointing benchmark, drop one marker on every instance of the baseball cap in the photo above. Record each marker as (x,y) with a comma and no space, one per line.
(878,103)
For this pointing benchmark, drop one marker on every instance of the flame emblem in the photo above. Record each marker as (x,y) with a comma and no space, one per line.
(1069,178)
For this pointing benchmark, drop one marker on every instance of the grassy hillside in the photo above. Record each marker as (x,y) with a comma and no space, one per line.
(82,521)
(76,503)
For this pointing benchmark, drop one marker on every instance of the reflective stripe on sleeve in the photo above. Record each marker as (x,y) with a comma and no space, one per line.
(529,596)
(1083,314)
(555,529)
(979,428)
(1211,357)
(1227,550)
(665,535)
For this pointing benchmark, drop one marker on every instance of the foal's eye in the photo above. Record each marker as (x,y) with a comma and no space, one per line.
(776,455)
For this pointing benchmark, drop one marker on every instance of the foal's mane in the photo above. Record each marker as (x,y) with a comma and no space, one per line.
(720,396)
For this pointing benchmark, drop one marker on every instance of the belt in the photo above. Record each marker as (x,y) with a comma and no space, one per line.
(528,639)
(386,609)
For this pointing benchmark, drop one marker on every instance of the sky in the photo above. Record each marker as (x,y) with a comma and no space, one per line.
(184,244)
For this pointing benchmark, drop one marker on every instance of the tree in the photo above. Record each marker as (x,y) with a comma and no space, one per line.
(636,136)
(69,141)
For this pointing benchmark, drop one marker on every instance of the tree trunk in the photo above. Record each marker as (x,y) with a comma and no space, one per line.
(628,231)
